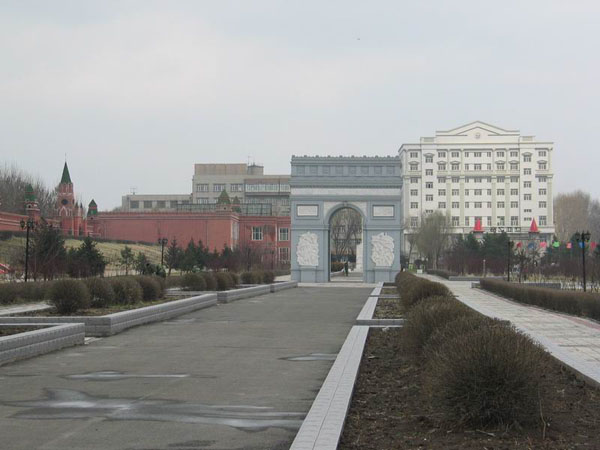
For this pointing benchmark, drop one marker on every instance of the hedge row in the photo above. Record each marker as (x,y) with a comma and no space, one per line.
(441,273)
(220,281)
(70,295)
(584,304)
(479,371)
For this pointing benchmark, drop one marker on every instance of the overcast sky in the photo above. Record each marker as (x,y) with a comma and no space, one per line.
(136,92)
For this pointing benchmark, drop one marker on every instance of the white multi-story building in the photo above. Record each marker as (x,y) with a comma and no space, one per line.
(479,171)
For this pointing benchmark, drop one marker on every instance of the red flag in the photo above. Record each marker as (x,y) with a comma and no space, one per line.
(519,244)
(543,244)
(593,245)
(569,245)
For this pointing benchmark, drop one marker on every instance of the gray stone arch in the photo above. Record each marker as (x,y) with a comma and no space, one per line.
(320,186)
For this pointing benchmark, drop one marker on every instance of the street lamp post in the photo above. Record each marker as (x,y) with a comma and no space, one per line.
(162,242)
(509,245)
(27,225)
(582,238)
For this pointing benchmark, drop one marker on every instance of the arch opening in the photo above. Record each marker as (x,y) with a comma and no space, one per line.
(345,244)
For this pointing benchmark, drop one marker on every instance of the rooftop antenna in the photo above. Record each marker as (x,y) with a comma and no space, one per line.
(133,189)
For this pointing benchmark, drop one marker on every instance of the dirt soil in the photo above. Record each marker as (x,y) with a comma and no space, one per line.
(390,411)
(8,331)
(389,308)
(101,311)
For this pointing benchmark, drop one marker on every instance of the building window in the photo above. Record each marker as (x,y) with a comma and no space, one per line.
(236,187)
(455,205)
(429,185)
(441,179)
(477,154)
(514,154)
(527,210)
(455,221)
(429,198)
(389,170)
(500,221)
(203,200)
(499,154)
(500,204)
(257,233)
(414,222)
(441,192)
(339,170)
(542,179)
(542,153)
(477,166)
(455,167)
(542,191)
(489,221)
(526,158)
(466,221)
(542,166)
(161,204)
(500,166)
(514,221)
(455,179)
(325,170)
(477,205)
(429,159)
(441,166)
(173,204)
(414,192)
(466,204)
(147,204)
(414,166)
(527,184)
(365,169)
(284,254)
(455,192)
(527,197)
(428,171)
(514,179)
(526,171)
(414,205)
(542,220)
(352,170)
(500,191)
(500,179)
(514,192)
(414,180)
(514,204)
(466,167)
(466,192)
(514,166)
(284,234)
(477,191)
(414,154)
(441,154)
(542,204)
(134,204)
(441,205)
(218,187)
(455,154)
(202,188)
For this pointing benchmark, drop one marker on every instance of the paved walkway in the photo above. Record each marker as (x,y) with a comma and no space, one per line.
(237,376)
(25,307)
(574,340)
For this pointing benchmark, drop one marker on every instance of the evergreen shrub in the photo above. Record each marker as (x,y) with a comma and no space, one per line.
(223,281)
(193,282)
(127,290)
(211,282)
(101,292)
(151,288)
(69,296)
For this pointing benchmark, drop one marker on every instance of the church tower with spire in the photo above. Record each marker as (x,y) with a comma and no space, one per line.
(66,207)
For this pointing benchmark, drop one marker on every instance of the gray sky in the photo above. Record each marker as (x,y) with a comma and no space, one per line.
(136,92)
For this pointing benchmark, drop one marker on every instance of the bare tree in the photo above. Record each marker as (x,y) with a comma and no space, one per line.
(411,237)
(571,213)
(345,232)
(432,236)
(13,182)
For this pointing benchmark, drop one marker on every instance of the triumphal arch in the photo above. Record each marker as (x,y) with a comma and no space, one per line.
(370,187)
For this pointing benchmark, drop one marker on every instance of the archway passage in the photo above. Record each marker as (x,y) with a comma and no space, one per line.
(345,245)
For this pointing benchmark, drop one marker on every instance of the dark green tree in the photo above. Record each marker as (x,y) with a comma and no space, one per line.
(48,257)
(86,261)
(126,259)
(173,257)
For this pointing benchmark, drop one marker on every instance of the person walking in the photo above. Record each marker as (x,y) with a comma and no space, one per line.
(346,268)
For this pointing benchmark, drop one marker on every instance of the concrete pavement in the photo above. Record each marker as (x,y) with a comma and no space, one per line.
(235,376)
(573,340)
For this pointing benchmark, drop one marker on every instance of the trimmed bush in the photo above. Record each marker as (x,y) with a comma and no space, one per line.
(268,277)
(151,289)
(193,282)
(35,291)
(489,376)
(428,316)
(441,273)
(223,281)
(9,293)
(421,289)
(69,296)
(127,290)
(174,281)
(337,266)
(235,278)
(584,304)
(249,278)
(101,292)
(211,282)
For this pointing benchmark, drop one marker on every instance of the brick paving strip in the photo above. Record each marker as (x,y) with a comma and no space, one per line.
(573,340)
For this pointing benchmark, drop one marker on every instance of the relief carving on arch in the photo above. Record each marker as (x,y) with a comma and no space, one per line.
(307,250)
(382,250)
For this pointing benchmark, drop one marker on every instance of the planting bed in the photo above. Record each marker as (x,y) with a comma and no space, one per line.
(390,410)
(10,330)
(388,308)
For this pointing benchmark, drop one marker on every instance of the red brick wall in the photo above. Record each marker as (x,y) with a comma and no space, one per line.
(11,222)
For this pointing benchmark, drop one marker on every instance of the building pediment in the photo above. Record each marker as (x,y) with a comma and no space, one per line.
(478,130)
